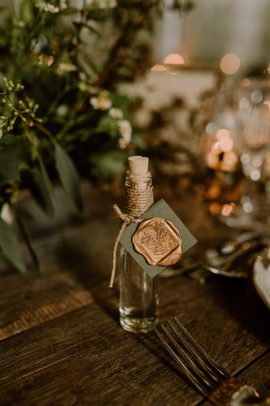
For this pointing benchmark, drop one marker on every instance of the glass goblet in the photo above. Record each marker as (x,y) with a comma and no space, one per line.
(252,144)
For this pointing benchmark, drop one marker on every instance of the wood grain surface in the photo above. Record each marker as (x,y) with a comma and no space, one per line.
(61,343)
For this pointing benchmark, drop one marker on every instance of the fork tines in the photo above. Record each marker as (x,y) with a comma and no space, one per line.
(193,361)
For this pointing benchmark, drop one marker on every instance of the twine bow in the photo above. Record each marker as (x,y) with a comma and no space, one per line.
(127,219)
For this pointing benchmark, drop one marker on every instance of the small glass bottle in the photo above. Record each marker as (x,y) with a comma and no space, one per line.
(138,291)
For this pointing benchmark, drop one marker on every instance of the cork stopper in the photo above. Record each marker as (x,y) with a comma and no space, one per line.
(138,165)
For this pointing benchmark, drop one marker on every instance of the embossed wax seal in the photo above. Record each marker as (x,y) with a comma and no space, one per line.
(159,241)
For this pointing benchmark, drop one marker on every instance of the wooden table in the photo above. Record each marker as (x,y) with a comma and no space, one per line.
(61,343)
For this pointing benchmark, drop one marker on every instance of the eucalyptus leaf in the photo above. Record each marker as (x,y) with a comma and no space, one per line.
(41,189)
(13,154)
(10,246)
(23,10)
(68,175)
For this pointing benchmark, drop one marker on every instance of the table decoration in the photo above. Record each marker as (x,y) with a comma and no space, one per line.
(68,318)
(62,116)
(152,237)
(236,146)
(138,292)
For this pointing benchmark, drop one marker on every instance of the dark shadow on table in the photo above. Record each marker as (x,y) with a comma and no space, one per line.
(241,300)
(88,270)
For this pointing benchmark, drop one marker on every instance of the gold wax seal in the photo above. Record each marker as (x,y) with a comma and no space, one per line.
(159,241)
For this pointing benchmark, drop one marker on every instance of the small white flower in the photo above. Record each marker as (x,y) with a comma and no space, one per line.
(7,213)
(126,133)
(115,113)
(125,128)
(62,110)
(50,8)
(63,4)
(101,102)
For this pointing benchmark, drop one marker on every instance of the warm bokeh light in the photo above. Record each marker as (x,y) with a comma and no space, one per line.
(50,60)
(229,64)
(226,144)
(246,82)
(223,133)
(216,149)
(230,161)
(174,59)
(159,68)
(212,160)
(227,161)
(268,68)
(227,209)
(214,208)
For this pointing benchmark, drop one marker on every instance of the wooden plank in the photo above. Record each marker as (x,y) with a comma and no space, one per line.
(257,375)
(85,357)
(230,324)
(29,301)
(71,349)
(63,302)
(70,267)
(225,316)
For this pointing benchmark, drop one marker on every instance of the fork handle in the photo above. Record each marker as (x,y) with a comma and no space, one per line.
(247,396)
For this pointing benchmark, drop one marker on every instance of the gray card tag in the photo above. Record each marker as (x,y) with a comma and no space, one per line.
(162,210)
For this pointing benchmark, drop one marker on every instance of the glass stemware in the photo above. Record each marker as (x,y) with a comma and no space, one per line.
(252,143)
(240,153)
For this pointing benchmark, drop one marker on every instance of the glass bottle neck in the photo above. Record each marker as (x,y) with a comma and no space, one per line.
(139,182)
(139,193)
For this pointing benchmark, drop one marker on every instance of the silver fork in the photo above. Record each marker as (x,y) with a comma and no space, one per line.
(206,376)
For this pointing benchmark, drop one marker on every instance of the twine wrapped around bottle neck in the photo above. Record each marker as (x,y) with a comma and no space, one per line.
(139,199)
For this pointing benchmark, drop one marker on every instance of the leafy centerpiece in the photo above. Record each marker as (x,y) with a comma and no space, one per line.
(60,111)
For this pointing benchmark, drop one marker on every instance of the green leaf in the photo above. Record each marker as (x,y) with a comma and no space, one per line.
(41,189)
(10,246)
(23,10)
(14,153)
(68,175)
(104,124)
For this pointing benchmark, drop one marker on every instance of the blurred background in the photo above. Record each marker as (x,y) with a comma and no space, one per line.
(87,83)
(208,30)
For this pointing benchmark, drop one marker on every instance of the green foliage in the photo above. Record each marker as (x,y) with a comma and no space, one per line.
(10,246)
(14,155)
(61,115)
(41,189)
(68,175)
